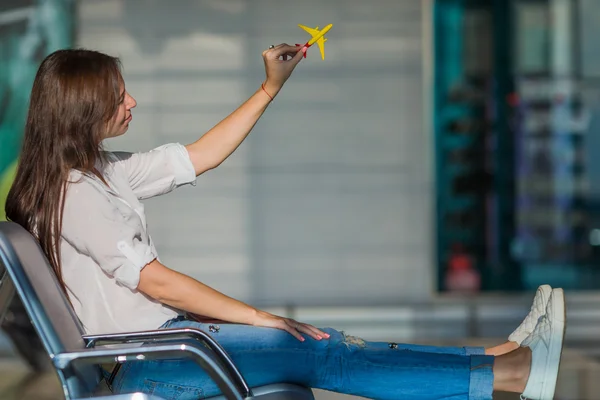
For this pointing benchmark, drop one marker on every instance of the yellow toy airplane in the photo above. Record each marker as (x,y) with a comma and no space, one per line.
(317,36)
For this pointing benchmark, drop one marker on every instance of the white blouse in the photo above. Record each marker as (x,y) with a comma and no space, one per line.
(105,241)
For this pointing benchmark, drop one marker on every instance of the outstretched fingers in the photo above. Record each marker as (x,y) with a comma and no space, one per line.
(291,327)
(307,329)
(314,332)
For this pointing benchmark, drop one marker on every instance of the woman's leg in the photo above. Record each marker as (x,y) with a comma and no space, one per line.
(511,370)
(341,363)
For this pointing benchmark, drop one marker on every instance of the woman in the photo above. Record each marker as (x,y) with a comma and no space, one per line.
(83,205)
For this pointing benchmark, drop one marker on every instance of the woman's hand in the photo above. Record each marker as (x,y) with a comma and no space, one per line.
(278,67)
(289,325)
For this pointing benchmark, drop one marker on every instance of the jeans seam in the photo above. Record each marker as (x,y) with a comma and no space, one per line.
(124,369)
(337,356)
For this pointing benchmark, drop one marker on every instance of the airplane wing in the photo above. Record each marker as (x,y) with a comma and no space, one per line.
(321,43)
(312,31)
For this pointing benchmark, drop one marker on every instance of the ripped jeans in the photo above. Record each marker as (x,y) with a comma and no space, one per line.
(342,363)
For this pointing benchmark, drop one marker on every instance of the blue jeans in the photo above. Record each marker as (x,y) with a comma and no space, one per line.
(342,363)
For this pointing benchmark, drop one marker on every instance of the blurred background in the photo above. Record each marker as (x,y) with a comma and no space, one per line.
(417,185)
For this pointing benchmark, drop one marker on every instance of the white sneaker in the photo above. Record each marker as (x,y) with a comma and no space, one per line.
(546,343)
(538,308)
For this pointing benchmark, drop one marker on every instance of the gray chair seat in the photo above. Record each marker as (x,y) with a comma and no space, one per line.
(25,271)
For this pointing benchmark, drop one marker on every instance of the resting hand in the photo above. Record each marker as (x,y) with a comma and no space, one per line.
(295,328)
(278,67)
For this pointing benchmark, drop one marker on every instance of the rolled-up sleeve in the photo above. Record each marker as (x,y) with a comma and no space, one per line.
(116,241)
(157,171)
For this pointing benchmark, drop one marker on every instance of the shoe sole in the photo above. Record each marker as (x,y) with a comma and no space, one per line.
(558,329)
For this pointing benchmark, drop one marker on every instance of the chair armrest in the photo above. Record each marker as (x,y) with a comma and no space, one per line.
(170,334)
(200,355)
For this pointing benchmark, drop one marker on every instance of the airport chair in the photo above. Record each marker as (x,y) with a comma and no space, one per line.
(26,272)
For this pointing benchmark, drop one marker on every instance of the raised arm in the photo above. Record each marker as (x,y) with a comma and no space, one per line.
(217,144)
(185,293)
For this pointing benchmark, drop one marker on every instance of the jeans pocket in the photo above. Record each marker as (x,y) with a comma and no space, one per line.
(169,391)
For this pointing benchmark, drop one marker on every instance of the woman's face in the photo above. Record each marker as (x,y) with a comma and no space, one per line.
(120,122)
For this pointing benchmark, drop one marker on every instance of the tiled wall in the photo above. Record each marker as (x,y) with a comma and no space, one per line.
(329,201)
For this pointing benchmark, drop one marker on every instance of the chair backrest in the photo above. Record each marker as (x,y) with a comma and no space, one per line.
(7,291)
(47,306)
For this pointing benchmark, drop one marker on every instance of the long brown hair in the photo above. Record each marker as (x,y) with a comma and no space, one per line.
(74,96)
